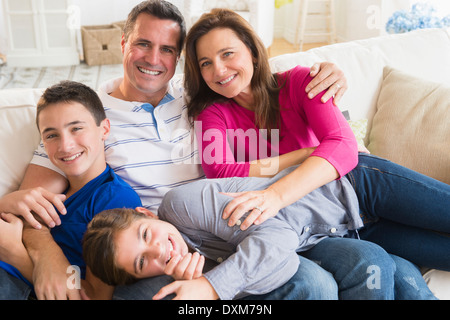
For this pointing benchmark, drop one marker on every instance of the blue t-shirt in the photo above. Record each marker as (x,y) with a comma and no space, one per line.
(106,191)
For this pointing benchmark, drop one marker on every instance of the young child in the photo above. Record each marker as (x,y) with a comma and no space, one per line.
(73,127)
(253,261)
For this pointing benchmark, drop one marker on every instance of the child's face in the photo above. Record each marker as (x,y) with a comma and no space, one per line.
(144,249)
(73,141)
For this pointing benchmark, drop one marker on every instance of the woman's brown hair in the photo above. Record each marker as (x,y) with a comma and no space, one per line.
(264,84)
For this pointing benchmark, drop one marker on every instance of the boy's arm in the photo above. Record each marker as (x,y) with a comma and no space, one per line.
(39,176)
(39,193)
(265,259)
(50,265)
(255,261)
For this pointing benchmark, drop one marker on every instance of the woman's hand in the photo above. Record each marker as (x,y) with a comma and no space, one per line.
(261,206)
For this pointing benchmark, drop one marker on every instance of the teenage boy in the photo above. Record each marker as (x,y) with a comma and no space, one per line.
(73,127)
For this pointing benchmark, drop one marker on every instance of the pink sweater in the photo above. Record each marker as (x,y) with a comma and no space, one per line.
(228,137)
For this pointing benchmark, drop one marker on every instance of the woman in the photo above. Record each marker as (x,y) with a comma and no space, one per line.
(231,88)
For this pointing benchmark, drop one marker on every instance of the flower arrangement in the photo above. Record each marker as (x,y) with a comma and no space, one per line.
(421,16)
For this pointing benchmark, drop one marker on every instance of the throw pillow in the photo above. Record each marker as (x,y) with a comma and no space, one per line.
(411,125)
(359,128)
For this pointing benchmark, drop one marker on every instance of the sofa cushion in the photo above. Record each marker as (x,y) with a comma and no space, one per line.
(359,128)
(438,282)
(411,124)
(19,136)
(423,53)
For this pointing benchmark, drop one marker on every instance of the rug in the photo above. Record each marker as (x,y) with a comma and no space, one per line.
(92,76)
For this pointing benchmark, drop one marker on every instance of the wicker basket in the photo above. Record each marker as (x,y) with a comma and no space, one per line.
(101,44)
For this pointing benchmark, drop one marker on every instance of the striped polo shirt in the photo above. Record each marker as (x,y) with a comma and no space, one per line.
(152,149)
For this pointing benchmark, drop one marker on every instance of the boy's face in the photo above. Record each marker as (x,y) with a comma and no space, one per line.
(73,141)
(144,249)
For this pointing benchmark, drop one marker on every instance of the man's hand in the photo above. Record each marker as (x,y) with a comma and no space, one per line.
(327,75)
(38,201)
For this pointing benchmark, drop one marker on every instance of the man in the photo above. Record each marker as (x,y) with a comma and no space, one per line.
(149,126)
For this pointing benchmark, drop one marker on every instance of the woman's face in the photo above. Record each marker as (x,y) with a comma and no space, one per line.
(144,249)
(225,62)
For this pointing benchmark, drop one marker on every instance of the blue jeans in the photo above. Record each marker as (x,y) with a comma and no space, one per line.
(311,282)
(12,288)
(404,212)
(363,270)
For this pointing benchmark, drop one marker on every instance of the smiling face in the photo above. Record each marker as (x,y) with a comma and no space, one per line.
(73,141)
(150,57)
(226,64)
(144,249)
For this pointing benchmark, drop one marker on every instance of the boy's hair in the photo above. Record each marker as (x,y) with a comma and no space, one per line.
(71,91)
(98,244)
(160,9)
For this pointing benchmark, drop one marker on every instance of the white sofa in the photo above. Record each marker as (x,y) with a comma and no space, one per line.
(370,99)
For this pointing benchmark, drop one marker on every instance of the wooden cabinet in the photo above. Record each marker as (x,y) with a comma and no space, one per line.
(40,33)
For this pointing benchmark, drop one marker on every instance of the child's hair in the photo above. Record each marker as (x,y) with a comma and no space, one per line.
(98,244)
(71,91)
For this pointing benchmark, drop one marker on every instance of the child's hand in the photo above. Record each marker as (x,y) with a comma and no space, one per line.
(185,268)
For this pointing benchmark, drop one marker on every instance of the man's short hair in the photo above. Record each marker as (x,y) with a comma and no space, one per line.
(160,9)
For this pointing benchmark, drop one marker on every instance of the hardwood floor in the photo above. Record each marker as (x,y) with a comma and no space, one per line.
(282,46)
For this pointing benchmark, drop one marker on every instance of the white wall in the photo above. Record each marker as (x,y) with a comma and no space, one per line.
(361,19)
(88,12)
(355,19)
(3,39)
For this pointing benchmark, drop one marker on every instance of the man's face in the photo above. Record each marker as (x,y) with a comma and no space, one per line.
(150,58)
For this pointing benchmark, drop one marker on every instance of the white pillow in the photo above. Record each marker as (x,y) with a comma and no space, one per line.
(19,136)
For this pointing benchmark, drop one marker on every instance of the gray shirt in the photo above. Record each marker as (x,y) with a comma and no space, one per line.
(263,257)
